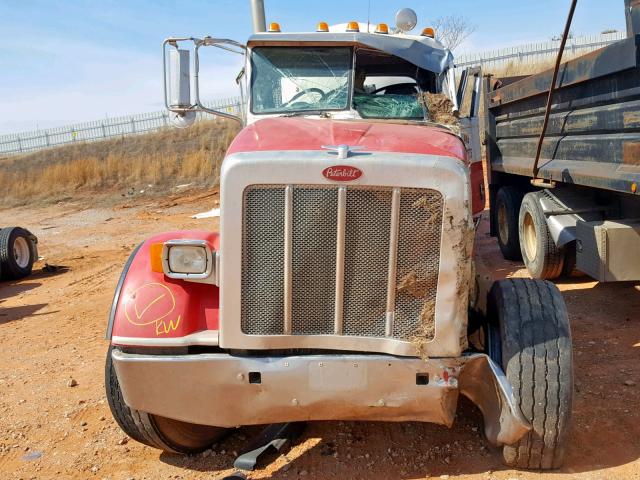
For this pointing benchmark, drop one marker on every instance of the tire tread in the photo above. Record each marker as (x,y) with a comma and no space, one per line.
(138,425)
(512,197)
(536,357)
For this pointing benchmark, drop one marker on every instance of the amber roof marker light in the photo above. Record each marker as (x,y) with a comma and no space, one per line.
(429,32)
(382,28)
(322,27)
(353,27)
(274,27)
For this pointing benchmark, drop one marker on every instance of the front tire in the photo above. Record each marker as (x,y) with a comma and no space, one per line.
(543,259)
(529,335)
(152,430)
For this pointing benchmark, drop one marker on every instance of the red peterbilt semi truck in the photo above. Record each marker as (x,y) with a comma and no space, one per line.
(341,282)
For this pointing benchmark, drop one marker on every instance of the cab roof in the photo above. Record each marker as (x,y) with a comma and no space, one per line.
(424,52)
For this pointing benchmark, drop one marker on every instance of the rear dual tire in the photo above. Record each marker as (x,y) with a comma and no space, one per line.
(543,259)
(529,336)
(523,234)
(508,202)
(155,431)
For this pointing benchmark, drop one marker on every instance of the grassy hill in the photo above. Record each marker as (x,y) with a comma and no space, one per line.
(161,159)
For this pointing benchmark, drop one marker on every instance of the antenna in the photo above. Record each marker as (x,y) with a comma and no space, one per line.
(368,16)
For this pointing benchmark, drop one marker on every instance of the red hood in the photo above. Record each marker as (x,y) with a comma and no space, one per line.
(297,133)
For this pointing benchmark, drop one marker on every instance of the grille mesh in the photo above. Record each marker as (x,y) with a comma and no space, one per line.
(315,213)
(418,262)
(366,260)
(314,233)
(263,261)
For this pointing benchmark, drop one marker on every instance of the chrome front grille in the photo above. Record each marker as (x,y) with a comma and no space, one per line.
(335,260)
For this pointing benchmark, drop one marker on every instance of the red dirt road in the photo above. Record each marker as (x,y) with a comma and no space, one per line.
(52,330)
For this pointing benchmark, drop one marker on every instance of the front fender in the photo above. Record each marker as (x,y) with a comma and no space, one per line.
(150,309)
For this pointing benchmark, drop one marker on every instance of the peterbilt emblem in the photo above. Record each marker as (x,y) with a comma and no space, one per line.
(342,173)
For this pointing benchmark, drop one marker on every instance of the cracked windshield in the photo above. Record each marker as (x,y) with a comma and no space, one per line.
(386,97)
(301,79)
(288,80)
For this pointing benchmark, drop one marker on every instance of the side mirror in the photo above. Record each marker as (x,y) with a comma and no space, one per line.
(180,88)
(177,78)
(468,94)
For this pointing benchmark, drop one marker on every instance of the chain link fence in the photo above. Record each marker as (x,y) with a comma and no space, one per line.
(537,52)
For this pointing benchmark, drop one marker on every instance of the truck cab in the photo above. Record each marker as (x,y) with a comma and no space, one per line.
(341,281)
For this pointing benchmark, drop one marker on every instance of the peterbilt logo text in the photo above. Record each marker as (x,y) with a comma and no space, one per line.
(342,173)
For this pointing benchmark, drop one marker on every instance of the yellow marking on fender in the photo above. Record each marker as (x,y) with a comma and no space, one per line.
(135,306)
(161,292)
(162,327)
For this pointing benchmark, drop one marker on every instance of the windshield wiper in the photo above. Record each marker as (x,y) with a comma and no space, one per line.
(322,113)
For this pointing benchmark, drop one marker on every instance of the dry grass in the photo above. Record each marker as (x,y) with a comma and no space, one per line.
(517,68)
(162,159)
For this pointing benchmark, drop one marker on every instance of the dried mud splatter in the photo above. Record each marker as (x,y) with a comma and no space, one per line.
(433,209)
(440,108)
(427,329)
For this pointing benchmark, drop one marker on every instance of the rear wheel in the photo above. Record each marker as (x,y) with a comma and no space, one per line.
(529,335)
(508,202)
(542,257)
(17,252)
(159,432)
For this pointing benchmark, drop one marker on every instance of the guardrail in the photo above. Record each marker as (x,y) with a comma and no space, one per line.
(99,129)
(539,51)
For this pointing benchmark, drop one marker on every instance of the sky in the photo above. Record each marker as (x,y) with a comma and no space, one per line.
(67,61)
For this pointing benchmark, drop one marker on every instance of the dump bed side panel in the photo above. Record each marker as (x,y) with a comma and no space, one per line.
(593,137)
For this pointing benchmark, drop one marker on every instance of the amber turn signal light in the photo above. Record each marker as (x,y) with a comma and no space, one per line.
(155,257)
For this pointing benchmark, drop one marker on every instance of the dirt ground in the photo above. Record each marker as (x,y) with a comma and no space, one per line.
(52,329)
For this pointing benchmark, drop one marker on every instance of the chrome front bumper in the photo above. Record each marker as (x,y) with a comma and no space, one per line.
(227,391)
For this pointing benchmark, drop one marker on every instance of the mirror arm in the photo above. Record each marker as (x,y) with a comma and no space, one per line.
(236,47)
(199,105)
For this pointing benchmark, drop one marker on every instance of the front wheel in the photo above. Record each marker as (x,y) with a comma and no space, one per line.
(159,432)
(529,335)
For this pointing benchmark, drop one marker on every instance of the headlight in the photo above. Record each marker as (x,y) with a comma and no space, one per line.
(188,260)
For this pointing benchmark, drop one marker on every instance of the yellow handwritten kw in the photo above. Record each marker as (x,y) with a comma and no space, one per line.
(141,301)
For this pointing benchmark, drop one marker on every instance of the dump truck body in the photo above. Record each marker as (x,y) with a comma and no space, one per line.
(591,150)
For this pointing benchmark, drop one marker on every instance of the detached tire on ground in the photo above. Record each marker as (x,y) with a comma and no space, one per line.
(507,209)
(542,257)
(529,335)
(17,253)
(158,432)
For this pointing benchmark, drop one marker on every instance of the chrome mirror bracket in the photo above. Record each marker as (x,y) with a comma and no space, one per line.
(189,108)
